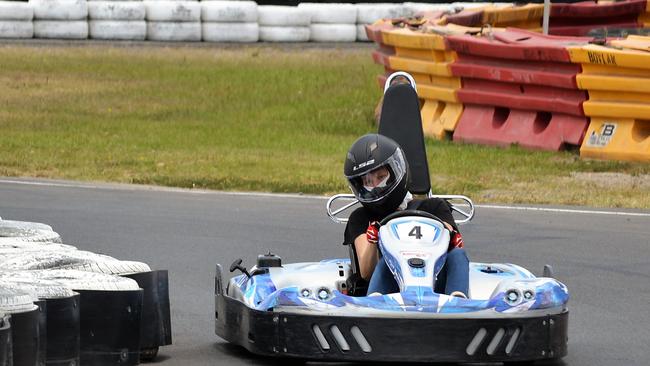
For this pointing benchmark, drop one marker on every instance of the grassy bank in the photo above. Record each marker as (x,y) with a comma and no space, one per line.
(251,118)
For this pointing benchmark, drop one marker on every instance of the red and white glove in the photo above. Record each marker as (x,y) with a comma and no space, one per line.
(372,233)
(456,240)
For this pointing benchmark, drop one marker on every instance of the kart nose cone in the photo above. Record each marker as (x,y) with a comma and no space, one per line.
(416,262)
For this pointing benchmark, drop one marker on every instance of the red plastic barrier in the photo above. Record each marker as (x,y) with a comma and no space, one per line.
(530,129)
(582,26)
(516,44)
(522,96)
(589,9)
(468,18)
(556,74)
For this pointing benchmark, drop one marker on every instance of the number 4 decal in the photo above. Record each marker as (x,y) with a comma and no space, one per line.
(416,232)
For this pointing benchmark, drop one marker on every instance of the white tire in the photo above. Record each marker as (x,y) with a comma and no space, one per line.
(61,29)
(229,11)
(411,9)
(174,31)
(26,225)
(333,32)
(283,16)
(16,246)
(60,9)
(370,13)
(40,289)
(362,36)
(331,13)
(11,10)
(230,32)
(17,233)
(115,10)
(173,11)
(80,280)
(16,29)
(284,34)
(131,30)
(14,300)
(71,259)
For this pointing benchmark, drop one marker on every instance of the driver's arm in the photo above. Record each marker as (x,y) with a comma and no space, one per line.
(367,254)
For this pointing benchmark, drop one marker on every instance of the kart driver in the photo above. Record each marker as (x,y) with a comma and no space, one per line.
(378,173)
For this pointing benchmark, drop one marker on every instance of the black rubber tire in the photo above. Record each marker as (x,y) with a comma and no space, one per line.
(148,354)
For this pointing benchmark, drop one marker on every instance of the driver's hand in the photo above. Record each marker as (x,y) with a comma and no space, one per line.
(456,240)
(372,233)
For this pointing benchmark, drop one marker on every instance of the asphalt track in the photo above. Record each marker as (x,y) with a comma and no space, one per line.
(603,258)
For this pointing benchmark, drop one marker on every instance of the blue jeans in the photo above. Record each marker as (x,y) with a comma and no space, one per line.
(454,276)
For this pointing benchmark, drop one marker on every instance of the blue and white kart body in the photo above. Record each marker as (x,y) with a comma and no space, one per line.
(305,311)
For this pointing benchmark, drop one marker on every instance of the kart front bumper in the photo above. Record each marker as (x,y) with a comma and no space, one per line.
(343,338)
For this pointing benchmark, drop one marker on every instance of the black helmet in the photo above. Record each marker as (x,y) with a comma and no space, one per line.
(365,160)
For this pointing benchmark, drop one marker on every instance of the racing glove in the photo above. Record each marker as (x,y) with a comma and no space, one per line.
(372,233)
(456,240)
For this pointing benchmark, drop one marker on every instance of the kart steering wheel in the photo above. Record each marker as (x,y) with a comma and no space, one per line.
(404,213)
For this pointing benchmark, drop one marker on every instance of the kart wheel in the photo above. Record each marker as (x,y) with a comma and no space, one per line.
(148,354)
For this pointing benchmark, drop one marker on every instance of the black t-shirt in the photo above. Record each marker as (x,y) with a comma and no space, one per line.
(361,217)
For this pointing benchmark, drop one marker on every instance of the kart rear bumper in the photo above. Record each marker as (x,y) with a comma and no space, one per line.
(336,338)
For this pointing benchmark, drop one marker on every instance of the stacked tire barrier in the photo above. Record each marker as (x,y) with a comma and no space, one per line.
(229,21)
(117,20)
(368,13)
(177,21)
(581,18)
(500,16)
(91,309)
(331,22)
(617,78)
(16,22)
(60,19)
(283,23)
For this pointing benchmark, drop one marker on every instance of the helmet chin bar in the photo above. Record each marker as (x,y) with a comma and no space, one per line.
(463,205)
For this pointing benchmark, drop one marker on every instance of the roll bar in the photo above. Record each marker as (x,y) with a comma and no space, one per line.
(466,213)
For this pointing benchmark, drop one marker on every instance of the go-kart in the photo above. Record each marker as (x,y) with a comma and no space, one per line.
(319,311)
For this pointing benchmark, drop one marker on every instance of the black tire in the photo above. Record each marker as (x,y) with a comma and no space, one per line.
(148,354)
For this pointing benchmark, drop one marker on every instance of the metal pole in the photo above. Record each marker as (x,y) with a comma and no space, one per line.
(547,13)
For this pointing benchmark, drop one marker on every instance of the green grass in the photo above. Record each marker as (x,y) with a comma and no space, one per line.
(252,118)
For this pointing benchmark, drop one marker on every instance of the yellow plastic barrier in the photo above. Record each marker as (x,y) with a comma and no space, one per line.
(618,83)
(620,139)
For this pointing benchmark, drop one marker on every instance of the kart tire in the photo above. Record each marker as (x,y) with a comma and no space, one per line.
(333,33)
(131,30)
(16,11)
(370,13)
(230,32)
(173,11)
(284,34)
(148,354)
(116,10)
(331,13)
(62,29)
(283,16)
(16,29)
(59,9)
(229,11)
(174,31)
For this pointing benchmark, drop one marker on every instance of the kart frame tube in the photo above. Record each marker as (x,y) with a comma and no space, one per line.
(278,334)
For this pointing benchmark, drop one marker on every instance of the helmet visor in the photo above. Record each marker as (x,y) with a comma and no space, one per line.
(379,182)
